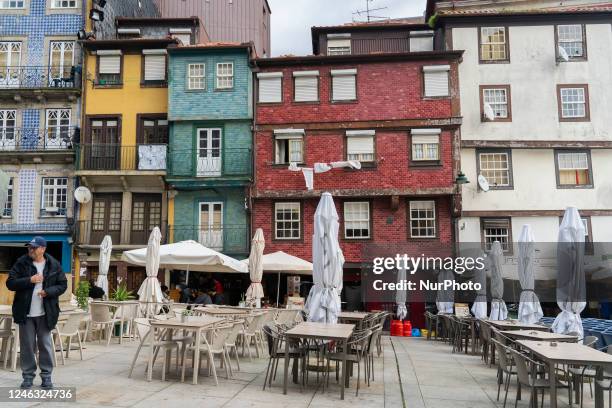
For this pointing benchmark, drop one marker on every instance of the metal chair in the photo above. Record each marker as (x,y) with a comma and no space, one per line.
(505,367)
(356,353)
(276,350)
(587,372)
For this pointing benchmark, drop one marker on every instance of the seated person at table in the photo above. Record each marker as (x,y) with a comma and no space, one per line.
(165,292)
(95,292)
(202,299)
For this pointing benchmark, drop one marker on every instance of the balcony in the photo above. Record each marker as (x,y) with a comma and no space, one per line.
(230,239)
(51,80)
(122,232)
(210,164)
(53,144)
(115,157)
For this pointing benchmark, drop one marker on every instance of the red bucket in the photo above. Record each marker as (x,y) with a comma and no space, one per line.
(397,328)
(407,328)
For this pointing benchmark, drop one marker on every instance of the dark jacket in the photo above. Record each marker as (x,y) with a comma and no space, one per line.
(96,292)
(54,283)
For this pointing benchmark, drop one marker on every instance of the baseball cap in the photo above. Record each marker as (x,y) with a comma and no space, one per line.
(37,241)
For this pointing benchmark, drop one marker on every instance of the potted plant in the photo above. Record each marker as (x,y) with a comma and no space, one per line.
(122,294)
(185,314)
(82,295)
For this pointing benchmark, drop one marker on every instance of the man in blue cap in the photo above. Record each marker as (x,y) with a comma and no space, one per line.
(38,281)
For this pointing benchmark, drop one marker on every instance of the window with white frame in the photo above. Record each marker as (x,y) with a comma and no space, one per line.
(356,220)
(436,81)
(425,145)
(497,230)
(181,34)
(54,195)
(64,3)
(574,169)
(154,66)
(225,75)
(196,76)
(493,44)
(287,220)
(495,167)
(270,87)
(12,4)
(574,104)
(344,84)
(339,45)
(7,211)
(497,98)
(306,86)
(360,145)
(58,128)
(422,219)
(289,146)
(109,67)
(571,39)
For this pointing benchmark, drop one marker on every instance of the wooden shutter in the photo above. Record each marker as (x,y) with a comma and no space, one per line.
(436,80)
(110,64)
(154,67)
(306,86)
(344,85)
(270,87)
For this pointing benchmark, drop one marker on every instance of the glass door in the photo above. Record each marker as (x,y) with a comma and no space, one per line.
(211,225)
(209,153)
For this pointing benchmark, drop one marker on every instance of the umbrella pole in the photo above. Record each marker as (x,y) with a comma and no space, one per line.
(278,289)
(187,277)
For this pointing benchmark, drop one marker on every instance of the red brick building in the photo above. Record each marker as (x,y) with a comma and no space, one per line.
(395,112)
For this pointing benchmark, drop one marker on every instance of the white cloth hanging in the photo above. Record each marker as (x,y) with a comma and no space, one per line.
(308,177)
(321,167)
(294,167)
(352,164)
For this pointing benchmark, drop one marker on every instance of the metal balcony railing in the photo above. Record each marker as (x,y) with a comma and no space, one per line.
(31,77)
(37,139)
(126,232)
(222,238)
(210,162)
(146,157)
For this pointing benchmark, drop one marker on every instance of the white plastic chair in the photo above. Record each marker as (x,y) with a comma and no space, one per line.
(251,332)
(216,347)
(7,335)
(68,330)
(230,343)
(102,318)
(143,328)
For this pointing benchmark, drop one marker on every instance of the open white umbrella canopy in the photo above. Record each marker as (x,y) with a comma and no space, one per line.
(571,282)
(323,303)
(188,255)
(255,290)
(150,290)
(106,248)
(445,298)
(529,310)
(499,310)
(400,296)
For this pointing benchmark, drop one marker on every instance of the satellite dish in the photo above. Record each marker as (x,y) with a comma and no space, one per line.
(488,112)
(483,183)
(82,195)
(563,55)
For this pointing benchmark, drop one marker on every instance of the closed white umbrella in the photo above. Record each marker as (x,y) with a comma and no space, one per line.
(4,187)
(323,303)
(498,306)
(571,285)
(479,308)
(150,290)
(106,248)
(529,310)
(255,291)
(400,296)
(445,298)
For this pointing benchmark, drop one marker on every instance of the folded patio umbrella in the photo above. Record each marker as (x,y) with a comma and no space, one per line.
(150,290)
(571,285)
(106,247)
(400,296)
(323,303)
(445,298)
(255,291)
(529,310)
(4,187)
(479,308)
(498,306)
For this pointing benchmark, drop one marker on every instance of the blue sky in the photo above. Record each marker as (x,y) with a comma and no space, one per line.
(292,19)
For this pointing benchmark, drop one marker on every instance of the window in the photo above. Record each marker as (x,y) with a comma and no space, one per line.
(356,220)
(360,145)
(571,38)
(181,34)
(344,84)
(497,230)
(436,81)
(8,206)
(64,4)
(494,44)
(54,195)
(573,102)
(8,121)
(57,135)
(497,98)
(153,130)
(421,41)
(270,87)
(12,4)
(289,146)
(306,86)
(154,66)
(574,169)
(495,166)
(109,67)
(225,75)
(196,76)
(589,248)
(287,221)
(425,145)
(422,219)
(339,46)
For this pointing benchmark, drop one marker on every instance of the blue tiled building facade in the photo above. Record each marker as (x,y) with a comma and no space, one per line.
(40,83)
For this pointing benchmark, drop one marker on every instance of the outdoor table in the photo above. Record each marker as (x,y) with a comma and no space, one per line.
(538,335)
(193,323)
(353,317)
(320,331)
(116,304)
(570,354)
(515,325)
